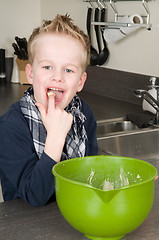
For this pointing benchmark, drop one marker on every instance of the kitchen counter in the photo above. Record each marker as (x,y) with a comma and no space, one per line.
(19,221)
(103,107)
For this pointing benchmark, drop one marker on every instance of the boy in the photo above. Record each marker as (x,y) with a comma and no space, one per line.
(50,123)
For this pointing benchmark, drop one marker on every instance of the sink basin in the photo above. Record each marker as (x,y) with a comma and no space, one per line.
(122,138)
(142,144)
(110,127)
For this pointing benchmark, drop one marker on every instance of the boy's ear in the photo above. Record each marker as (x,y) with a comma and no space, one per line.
(82,81)
(28,71)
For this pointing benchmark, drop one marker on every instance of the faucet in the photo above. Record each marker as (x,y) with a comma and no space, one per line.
(149,98)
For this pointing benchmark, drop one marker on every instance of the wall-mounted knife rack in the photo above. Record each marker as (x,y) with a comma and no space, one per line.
(117,24)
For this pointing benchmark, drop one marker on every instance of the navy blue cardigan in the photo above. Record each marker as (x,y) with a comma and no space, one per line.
(22,173)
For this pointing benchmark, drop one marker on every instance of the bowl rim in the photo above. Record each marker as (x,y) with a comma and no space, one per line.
(99,189)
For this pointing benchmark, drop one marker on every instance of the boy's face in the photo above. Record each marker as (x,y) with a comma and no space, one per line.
(58,67)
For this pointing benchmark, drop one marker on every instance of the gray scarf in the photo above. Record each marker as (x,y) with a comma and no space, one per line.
(75,144)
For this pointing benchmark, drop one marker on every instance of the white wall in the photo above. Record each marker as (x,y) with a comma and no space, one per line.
(17,18)
(138,52)
(76,8)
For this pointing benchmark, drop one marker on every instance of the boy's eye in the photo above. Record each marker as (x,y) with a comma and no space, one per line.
(68,70)
(47,67)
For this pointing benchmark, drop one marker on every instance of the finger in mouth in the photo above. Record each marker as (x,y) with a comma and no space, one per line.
(51,94)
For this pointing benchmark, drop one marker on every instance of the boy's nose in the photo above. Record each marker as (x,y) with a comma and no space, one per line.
(57,76)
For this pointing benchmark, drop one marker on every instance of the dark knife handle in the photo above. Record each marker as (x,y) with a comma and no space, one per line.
(16,50)
(25,44)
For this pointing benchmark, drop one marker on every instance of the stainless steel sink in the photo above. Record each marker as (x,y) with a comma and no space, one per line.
(111,127)
(136,143)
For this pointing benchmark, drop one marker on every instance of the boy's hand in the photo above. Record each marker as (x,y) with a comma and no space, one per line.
(57,123)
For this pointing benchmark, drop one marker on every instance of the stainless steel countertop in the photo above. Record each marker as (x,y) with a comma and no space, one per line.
(103,107)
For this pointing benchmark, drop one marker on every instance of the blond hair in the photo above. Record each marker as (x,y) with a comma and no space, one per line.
(61,24)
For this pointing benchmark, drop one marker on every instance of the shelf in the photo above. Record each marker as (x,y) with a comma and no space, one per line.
(117,24)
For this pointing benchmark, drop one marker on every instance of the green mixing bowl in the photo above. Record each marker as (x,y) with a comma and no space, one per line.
(110,213)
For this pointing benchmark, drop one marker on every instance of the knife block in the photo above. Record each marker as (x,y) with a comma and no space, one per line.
(22,75)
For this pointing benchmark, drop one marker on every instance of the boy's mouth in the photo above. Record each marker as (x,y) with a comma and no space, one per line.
(58,93)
